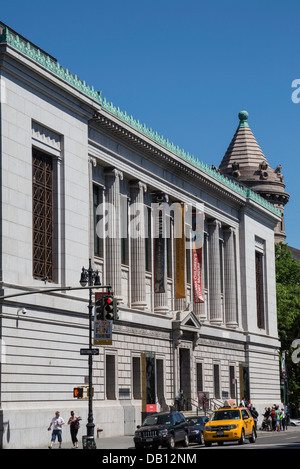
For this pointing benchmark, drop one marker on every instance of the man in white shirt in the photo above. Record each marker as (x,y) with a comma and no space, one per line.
(57,423)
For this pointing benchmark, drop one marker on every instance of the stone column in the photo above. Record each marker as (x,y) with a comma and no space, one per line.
(230,278)
(137,242)
(113,235)
(199,310)
(216,316)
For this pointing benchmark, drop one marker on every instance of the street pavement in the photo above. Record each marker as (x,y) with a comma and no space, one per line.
(126,442)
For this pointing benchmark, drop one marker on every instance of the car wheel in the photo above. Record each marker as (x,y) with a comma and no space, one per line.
(242,439)
(200,439)
(186,440)
(207,443)
(252,438)
(171,442)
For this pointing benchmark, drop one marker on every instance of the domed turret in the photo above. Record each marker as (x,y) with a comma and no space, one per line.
(245,161)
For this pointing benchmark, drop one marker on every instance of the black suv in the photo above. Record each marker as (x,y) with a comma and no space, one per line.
(162,429)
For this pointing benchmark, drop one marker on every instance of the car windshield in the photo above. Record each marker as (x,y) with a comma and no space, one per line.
(195,420)
(165,419)
(226,415)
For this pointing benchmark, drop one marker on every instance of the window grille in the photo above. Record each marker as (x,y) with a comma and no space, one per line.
(42,195)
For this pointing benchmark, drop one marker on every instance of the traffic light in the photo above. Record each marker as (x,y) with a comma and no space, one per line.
(99,309)
(88,391)
(115,308)
(108,308)
(78,392)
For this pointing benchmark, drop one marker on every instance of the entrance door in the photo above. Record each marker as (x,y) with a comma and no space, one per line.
(185,376)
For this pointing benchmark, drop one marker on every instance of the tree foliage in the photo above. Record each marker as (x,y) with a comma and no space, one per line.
(288,313)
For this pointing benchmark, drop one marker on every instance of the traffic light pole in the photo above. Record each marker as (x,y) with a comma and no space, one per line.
(91,277)
(90,425)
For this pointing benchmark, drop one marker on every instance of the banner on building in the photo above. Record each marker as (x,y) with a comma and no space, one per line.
(197,245)
(159,244)
(179,234)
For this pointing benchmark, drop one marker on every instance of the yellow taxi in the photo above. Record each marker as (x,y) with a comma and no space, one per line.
(229,424)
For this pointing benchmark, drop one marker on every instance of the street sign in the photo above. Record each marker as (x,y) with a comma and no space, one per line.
(89,351)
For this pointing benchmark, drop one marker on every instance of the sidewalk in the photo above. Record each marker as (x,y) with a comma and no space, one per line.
(291,428)
(116,442)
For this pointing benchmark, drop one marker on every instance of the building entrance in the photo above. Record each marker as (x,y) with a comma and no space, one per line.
(185,377)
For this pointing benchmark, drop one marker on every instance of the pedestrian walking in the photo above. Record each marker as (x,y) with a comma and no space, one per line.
(57,423)
(255,416)
(74,427)
(274,418)
(278,413)
(283,421)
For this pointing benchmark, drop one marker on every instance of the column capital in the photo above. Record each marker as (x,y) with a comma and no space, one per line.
(138,185)
(113,172)
(229,229)
(215,223)
(92,161)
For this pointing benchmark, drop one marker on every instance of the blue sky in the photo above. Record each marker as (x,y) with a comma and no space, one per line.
(185,69)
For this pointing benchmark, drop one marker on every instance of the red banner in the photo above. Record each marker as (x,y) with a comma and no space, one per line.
(197,275)
(197,257)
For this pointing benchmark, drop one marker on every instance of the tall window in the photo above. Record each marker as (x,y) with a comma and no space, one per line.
(110,374)
(188,253)
(217,381)
(160,381)
(221,265)
(124,229)
(259,290)
(148,238)
(42,210)
(169,235)
(98,237)
(199,376)
(232,381)
(136,377)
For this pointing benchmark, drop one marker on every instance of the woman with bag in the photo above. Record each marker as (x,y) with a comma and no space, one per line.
(74,427)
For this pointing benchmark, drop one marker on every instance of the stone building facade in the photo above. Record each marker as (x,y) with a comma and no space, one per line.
(69,159)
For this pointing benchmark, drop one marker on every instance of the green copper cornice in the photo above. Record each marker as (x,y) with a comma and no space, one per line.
(7,36)
(46,61)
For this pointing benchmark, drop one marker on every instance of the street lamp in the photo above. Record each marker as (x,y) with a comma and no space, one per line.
(90,277)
